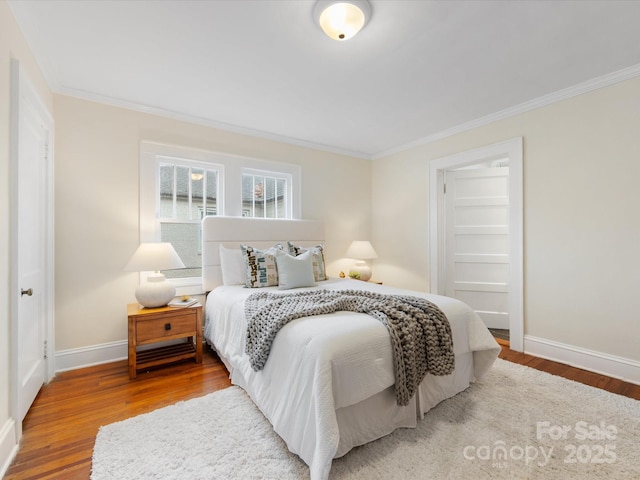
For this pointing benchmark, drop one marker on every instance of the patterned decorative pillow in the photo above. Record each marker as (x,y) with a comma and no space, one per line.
(261,269)
(319,272)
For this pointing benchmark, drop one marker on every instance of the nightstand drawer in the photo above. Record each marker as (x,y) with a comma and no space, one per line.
(156,329)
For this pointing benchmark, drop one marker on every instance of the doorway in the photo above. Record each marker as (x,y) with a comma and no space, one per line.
(31,239)
(476,239)
(476,233)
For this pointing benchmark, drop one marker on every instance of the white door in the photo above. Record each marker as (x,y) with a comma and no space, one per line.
(477,241)
(30,250)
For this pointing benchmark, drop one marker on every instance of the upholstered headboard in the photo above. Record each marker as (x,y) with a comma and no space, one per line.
(258,232)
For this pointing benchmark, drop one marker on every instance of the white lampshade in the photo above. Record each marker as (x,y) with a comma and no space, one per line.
(156,292)
(361,250)
(342,19)
(154,257)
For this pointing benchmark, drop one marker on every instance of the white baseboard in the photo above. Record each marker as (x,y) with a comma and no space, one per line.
(610,365)
(8,445)
(96,355)
(92,355)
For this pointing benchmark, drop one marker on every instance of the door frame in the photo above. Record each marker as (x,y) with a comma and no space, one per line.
(21,85)
(513,150)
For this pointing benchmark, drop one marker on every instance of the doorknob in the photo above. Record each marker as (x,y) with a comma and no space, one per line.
(28,292)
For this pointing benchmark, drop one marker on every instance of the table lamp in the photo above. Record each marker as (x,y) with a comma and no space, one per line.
(361,250)
(156,291)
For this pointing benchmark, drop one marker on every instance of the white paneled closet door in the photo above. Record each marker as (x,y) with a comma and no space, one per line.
(477,241)
(31,244)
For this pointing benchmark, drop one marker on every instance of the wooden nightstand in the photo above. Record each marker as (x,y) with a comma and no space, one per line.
(153,325)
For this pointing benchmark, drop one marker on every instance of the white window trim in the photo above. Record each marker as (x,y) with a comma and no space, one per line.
(231,168)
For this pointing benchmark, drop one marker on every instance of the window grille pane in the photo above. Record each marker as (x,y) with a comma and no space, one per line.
(270,198)
(264,196)
(197,193)
(166,191)
(247,195)
(212,193)
(281,195)
(258,197)
(182,193)
(185,238)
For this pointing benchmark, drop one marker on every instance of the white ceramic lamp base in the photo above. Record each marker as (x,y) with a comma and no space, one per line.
(156,292)
(362,269)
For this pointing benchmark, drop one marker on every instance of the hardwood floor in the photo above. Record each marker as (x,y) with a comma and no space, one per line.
(609,384)
(60,429)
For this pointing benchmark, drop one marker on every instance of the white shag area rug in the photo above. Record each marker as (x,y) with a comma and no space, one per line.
(516,423)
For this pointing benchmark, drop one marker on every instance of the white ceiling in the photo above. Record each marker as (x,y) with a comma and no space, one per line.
(418,70)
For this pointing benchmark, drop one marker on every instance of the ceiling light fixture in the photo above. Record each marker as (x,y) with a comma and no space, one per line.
(342,19)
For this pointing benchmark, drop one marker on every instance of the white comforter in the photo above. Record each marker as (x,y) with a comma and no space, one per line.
(319,365)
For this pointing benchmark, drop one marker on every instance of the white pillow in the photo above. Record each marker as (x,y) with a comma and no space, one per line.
(319,271)
(232,265)
(295,272)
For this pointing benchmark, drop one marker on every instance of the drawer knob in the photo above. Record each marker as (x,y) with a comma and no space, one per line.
(167,326)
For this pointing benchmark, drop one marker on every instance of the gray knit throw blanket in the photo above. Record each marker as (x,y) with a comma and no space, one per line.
(420,333)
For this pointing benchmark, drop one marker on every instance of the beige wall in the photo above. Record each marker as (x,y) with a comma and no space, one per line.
(581,216)
(97,162)
(582,228)
(12,45)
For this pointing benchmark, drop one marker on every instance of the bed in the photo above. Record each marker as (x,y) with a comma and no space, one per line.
(328,383)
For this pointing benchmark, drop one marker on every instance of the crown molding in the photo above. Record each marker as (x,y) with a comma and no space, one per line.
(227,127)
(564,94)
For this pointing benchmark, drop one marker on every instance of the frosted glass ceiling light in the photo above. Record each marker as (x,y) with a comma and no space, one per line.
(341,20)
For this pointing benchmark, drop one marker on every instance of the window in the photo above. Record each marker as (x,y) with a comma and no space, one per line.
(265,194)
(179,186)
(187,191)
